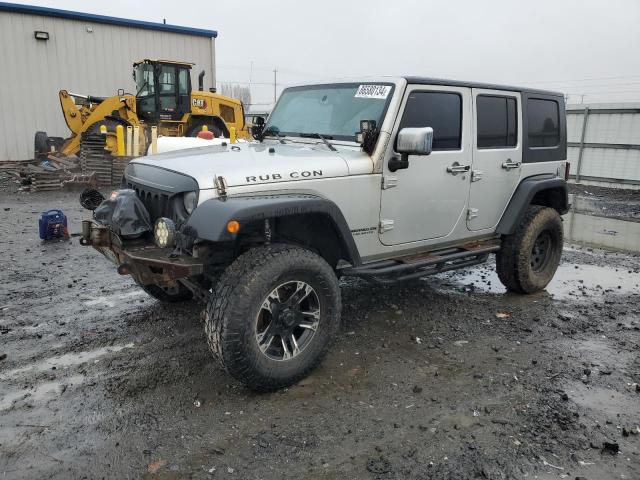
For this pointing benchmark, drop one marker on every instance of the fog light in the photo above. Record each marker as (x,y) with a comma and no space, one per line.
(164,232)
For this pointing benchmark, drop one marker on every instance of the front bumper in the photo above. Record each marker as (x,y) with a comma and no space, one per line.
(144,261)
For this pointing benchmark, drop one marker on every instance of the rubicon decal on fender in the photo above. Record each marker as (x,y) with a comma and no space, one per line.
(278,176)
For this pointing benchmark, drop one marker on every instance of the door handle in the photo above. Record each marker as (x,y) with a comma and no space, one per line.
(508,165)
(455,168)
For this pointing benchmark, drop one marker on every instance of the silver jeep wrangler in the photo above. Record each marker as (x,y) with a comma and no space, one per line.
(386,179)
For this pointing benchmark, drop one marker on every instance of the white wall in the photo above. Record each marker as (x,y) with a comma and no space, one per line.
(619,166)
(73,59)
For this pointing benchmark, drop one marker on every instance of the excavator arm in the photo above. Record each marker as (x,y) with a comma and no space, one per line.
(93,111)
(70,111)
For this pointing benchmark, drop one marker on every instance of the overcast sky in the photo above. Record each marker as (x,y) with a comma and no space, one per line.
(580,47)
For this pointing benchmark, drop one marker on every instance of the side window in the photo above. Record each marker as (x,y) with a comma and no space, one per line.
(543,117)
(227,114)
(497,121)
(441,111)
(183,81)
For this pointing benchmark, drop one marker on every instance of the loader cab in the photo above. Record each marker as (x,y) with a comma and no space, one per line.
(163,90)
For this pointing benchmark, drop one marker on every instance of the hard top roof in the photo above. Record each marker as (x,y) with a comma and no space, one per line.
(417,80)
(488,86)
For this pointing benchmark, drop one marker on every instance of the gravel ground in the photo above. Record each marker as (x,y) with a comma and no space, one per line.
(443,378)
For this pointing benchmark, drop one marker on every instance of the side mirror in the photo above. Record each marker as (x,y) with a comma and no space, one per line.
(411,141)
(415,141)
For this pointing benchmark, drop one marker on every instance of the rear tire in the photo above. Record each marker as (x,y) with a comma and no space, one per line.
(530,256)
(273,316)
(41,145)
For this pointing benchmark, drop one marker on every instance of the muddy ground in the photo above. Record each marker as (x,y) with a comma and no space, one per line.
(443,378)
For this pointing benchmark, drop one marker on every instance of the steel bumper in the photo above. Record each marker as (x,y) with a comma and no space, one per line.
(144,261)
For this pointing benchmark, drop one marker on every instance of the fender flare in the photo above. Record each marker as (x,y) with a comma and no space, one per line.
(523,196)
(209,220)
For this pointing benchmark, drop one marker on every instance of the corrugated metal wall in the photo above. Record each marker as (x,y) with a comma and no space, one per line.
(96,63)
(610,144)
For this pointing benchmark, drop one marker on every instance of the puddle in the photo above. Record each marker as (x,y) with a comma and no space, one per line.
(601,357)
(41,393)
(570,281)
(602,400)
(574,280)
(66,360)
(109,301)
(602,232)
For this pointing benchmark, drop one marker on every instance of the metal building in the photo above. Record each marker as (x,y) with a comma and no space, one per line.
(44,50)
(604,144)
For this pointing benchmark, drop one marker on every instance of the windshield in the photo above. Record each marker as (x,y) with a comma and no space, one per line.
(144,80)
(333,111)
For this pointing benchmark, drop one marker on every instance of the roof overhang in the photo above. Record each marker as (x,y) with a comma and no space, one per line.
(90,17)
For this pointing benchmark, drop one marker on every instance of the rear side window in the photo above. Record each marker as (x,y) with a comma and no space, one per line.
(441,111)
(543,117)
(497,121)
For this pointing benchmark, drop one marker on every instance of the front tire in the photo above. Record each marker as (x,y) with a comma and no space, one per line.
(273,316)
(193,131)
(530,256)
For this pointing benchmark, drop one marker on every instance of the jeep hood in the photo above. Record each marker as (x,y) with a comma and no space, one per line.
(259,163)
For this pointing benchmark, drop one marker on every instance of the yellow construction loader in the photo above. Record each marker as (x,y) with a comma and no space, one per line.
(164,99)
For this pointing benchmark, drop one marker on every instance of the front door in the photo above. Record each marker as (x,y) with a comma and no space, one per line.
(428,199)
(173,92)
(497,155)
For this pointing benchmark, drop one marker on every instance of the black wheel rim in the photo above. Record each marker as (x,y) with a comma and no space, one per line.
(287,320)
(541,251)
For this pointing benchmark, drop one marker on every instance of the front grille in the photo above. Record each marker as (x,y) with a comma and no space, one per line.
(158,204)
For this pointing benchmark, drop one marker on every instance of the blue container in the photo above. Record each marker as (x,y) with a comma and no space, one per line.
(53,224)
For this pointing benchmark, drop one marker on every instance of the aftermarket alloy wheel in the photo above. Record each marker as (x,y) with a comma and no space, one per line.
(287,320)
(529,257)
(273,316)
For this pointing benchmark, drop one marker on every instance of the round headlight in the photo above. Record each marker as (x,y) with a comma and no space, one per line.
(190,199)
(164,232)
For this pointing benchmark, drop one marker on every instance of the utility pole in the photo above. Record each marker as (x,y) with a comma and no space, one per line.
(275,76)
(250,78)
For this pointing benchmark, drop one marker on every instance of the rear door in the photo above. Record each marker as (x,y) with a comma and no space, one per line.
(428,199)
(497,155)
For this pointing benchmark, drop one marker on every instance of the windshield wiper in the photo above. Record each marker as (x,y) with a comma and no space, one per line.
(321,137)
(272,131)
